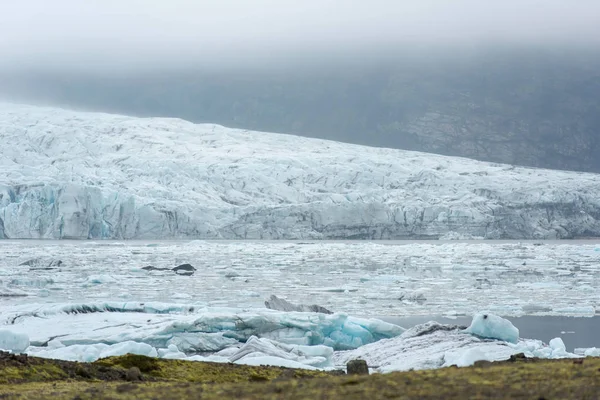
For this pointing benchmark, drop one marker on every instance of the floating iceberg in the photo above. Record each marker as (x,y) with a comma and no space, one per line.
(491,326)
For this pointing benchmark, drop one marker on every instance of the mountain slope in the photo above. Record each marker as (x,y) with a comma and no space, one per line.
(69,174)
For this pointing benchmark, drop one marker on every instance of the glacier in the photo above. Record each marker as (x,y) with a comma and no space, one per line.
(79,175)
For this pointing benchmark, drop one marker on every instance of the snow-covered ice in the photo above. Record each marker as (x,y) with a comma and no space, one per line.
(68,174)
(191,329)
(433,345)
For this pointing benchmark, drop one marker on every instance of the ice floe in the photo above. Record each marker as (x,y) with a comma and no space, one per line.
(292,339)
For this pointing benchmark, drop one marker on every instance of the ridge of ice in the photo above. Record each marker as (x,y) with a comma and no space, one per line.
(68,174)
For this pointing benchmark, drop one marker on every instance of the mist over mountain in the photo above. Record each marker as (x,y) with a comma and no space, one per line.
(525,106)
(505,81)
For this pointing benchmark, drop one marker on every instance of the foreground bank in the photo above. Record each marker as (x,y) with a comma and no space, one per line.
(139,377)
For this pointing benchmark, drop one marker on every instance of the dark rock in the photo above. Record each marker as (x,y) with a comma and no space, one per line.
(517,357)
(82,372)
(40,264)
(184,269)
(430,327)
(152,268)
(357,367)
(133,374)
(483,363)
(31,262)
(276,303)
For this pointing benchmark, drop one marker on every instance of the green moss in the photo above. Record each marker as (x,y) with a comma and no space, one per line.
(207,372)
(147,365)
(564,379)
(36,373)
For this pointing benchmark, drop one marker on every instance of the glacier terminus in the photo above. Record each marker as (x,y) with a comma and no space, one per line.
(78,175)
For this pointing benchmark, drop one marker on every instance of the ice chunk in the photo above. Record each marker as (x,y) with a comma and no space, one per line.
(559,349)
(318,356)
(592,352)
(493,327)
(199,341)
(276,303)
(100,279)
(13,342)
(11,292)
(172,352)
(93,352)
(78,352)
(557,344)
(129,347)
(337,330)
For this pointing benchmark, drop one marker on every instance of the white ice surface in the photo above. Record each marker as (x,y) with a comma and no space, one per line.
(68,174)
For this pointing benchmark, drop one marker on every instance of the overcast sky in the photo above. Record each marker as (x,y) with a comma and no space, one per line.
(108,34)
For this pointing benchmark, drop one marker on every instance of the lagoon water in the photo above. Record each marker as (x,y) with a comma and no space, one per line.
(547,288)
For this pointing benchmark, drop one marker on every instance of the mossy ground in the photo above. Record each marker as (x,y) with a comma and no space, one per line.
(173,379)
